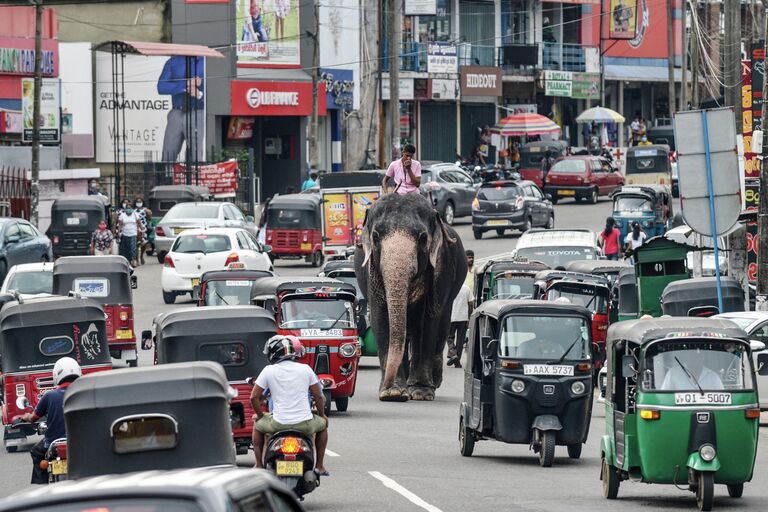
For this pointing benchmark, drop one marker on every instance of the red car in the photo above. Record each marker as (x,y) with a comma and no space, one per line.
(583,178)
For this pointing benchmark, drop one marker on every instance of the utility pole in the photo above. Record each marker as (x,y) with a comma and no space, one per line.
(684,70)
(695,60)
(313,152)
(393,51)
(762,213)
(670,59)
(34,190)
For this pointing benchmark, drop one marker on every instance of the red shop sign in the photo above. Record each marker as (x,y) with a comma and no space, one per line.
(275,98)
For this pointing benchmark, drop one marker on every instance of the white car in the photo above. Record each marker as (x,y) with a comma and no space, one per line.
(756,325)
(197,251)
(557,247)
(685,235)
(30,280)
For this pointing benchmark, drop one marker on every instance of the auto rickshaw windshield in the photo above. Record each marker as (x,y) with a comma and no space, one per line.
(540,337)
(559,256)
(316,314)
(279,218)
(693,365)
(228,292)
(632,204)
(593,299)
(519,287)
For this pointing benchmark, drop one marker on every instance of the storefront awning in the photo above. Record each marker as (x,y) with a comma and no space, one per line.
(161,49)
(639,73)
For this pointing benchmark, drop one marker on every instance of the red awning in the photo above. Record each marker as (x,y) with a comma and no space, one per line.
(161,49)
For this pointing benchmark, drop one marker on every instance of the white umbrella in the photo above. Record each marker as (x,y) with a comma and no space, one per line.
(600,115)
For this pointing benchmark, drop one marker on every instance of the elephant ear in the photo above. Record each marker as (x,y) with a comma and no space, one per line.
(439,236)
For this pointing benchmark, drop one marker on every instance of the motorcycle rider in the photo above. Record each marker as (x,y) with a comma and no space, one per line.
(51,405)
(288,382)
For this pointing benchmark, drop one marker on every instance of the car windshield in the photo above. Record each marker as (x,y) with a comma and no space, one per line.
(192,211)
(542,337)
(557,256)
(498,193)
(228,292)
(316,314)
(696,365)
(513,288)
(31,282)
(205,244)
(632,204)
(593,299)
(124,505)
(572,166)
(280,218)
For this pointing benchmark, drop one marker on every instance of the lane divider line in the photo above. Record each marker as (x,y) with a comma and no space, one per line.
(331,454)
(391,484)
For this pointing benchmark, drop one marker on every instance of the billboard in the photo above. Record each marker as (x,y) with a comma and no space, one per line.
(50,107)
(442,58)
(622,23)
(268,33)
(164,100)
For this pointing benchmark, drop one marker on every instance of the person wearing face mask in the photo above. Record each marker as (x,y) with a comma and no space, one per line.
(145,215)
(101,240)
(129,226)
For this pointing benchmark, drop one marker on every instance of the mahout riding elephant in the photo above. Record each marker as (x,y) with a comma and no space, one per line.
(410,266)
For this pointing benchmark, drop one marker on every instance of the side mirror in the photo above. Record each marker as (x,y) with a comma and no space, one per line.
(267,248)
(488,346)
(13,239)
(628,366)
(548,197)
(762,364)
(134,282)
(22,402)
(249,218)
(146,340)
(756,345)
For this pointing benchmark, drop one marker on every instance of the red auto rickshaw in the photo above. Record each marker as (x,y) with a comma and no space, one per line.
(321,312)
(34,334)
(108,280)
(294,228)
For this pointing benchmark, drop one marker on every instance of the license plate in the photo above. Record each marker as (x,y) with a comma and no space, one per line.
(547,369)
(59,467)
(497,222)
(176,231)
(195,282)
(124,334)
(705,398)
(306,247)
(566,192)
(289,468)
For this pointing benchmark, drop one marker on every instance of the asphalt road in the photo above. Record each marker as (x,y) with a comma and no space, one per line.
(405,456)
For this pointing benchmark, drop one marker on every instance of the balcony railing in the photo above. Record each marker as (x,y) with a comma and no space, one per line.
(563,57)
(476,55)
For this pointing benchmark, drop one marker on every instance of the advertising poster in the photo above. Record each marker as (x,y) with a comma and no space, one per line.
(220,178)
(336,216)
(751,163)
(623,19)
(752,193)
(161,95)
(50,106)
(420,7)
(758,74)
(268,33)
(442,58)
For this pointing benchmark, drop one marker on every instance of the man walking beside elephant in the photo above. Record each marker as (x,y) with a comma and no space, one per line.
(405,171)
(462,308)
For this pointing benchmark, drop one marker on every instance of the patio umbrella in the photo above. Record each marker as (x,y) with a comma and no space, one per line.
(600,115)
(525,124)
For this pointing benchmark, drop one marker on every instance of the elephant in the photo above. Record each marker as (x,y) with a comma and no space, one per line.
(410,266)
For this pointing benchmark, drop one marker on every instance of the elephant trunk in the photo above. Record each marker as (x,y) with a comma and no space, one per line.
(398,266)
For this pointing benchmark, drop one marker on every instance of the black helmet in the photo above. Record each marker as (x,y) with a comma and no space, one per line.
(281,347)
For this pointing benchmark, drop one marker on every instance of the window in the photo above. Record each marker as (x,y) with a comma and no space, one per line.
(499,193)
(27,231)
(230,292)
(555,257)
(228,214)
(448,177)
(91,286)
(193,211)
(236,213)
(590,297)
(255,245)
(242,241)
(56,346)
(226,354)
(205,244)
(462,177)
(570,166)
(125,505)
(142,433)
(13,230)
(761,334)
(255,503)
(536,192)
(513,288)
(278,218)
(539,337)
(632,204)
(31,282)
(528,191)
(164,206)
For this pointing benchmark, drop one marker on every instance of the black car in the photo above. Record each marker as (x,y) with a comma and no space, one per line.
(451,188)
(21,242)
(507,205)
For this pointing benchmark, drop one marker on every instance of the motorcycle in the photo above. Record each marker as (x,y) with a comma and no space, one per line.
(55,461)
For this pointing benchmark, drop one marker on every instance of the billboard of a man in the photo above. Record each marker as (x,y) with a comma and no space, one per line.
(183,79)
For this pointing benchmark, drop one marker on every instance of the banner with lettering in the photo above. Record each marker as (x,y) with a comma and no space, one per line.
(220,178)
(751,163)
(336,217)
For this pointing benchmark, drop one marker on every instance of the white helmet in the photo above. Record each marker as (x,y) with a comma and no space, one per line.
(65,367)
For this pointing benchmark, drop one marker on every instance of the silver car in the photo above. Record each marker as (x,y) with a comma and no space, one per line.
(185,216)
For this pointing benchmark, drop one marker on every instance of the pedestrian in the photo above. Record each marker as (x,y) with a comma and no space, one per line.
(609,239)
(634,129)
(634,239)
(311,182)
(405,171)
(470,279)
(145,216)
(129,226)
(262,238)
(644,141)
(594,142)
(101,240)
(457,335)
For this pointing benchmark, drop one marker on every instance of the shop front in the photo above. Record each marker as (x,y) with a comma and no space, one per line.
(481,88)
(275,115)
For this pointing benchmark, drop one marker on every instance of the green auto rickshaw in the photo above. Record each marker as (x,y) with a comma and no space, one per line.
(658,262)
(681,406)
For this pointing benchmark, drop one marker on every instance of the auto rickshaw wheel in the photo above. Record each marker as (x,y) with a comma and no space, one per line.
(466,439)
(547,449)
(610,481)
(735,490)
(327,400)
(342,403)
(705,491)
(574,450)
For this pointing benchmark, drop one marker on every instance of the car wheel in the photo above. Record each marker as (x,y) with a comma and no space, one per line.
(551,222)
(169,297)
(449,213)
(478,234)
(528,224)
(3,270)
(592,199)
(161,257)
(500,232)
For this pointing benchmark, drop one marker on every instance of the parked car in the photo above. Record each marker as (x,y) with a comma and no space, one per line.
(451,188)
(196,215)
(583,177)
(21,242)
(507,205)
(29,279)
(197,251)
(557,247)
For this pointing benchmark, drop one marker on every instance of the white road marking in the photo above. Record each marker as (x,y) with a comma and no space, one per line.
(331,454)
(388,482)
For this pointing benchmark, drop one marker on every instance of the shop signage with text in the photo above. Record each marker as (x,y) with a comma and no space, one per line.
(275,98)
(480,81)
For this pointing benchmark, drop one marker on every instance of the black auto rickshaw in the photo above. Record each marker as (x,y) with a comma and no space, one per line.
(108,280)
(73,221)
(529,377)
(507,278)
(233,336)
(161,417)
(229,287)
(698,297)
(164,197)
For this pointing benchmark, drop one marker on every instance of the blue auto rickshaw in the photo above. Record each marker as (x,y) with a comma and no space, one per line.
(650,205)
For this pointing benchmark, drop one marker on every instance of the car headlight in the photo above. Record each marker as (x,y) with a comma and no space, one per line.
(348,349)
(518,386)
(707,453)
(578,387)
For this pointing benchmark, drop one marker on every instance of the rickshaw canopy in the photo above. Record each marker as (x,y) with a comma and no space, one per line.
(627,286)
(309,202)
(272,286)
(599,267)
(182,193)
(106,279)
(94,208)
(643,332)
(499,308)
(351,179)
(679,297)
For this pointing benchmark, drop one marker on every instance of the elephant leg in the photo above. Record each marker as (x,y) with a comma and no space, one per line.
(420,382)
(380,325)
(443,328)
